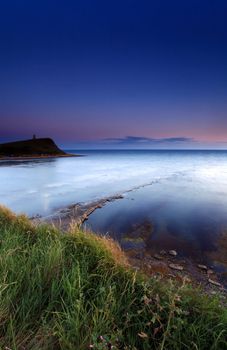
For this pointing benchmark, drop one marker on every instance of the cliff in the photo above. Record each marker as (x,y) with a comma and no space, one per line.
(31,148)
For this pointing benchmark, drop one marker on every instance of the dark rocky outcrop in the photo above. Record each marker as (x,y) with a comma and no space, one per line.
(31,148)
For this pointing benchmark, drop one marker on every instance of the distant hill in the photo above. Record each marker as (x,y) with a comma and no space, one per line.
(31,148)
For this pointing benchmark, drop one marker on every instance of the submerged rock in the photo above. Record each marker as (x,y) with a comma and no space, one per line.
(158,257)
(173,252)
(176,267)
(202,267)
(215,283)
(163,252)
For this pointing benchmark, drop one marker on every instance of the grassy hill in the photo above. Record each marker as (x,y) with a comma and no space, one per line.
(77,291)
(33,147)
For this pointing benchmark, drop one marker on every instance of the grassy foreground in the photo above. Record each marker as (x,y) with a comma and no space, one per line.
(75,291)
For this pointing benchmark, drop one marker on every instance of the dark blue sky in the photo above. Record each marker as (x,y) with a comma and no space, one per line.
(115,73)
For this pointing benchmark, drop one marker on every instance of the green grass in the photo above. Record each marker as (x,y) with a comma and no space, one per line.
(67,291)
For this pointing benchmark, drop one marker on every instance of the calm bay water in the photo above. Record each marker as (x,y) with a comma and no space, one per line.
(182,193)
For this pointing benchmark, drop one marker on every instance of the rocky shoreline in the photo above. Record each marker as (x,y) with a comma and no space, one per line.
(169,265)
(75,214)
(165,264)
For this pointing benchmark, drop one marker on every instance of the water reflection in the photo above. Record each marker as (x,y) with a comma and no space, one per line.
(26,162)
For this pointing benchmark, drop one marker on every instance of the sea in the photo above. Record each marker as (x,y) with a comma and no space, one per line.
(176,199)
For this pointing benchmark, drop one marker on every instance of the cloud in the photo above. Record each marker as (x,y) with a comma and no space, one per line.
(146,140)
(177,139)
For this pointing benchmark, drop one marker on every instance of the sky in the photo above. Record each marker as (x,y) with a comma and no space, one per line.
(114,74)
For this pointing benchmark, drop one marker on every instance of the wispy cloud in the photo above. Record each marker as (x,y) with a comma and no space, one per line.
(147,140)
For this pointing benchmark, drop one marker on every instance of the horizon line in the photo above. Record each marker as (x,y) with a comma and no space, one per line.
(144,149)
